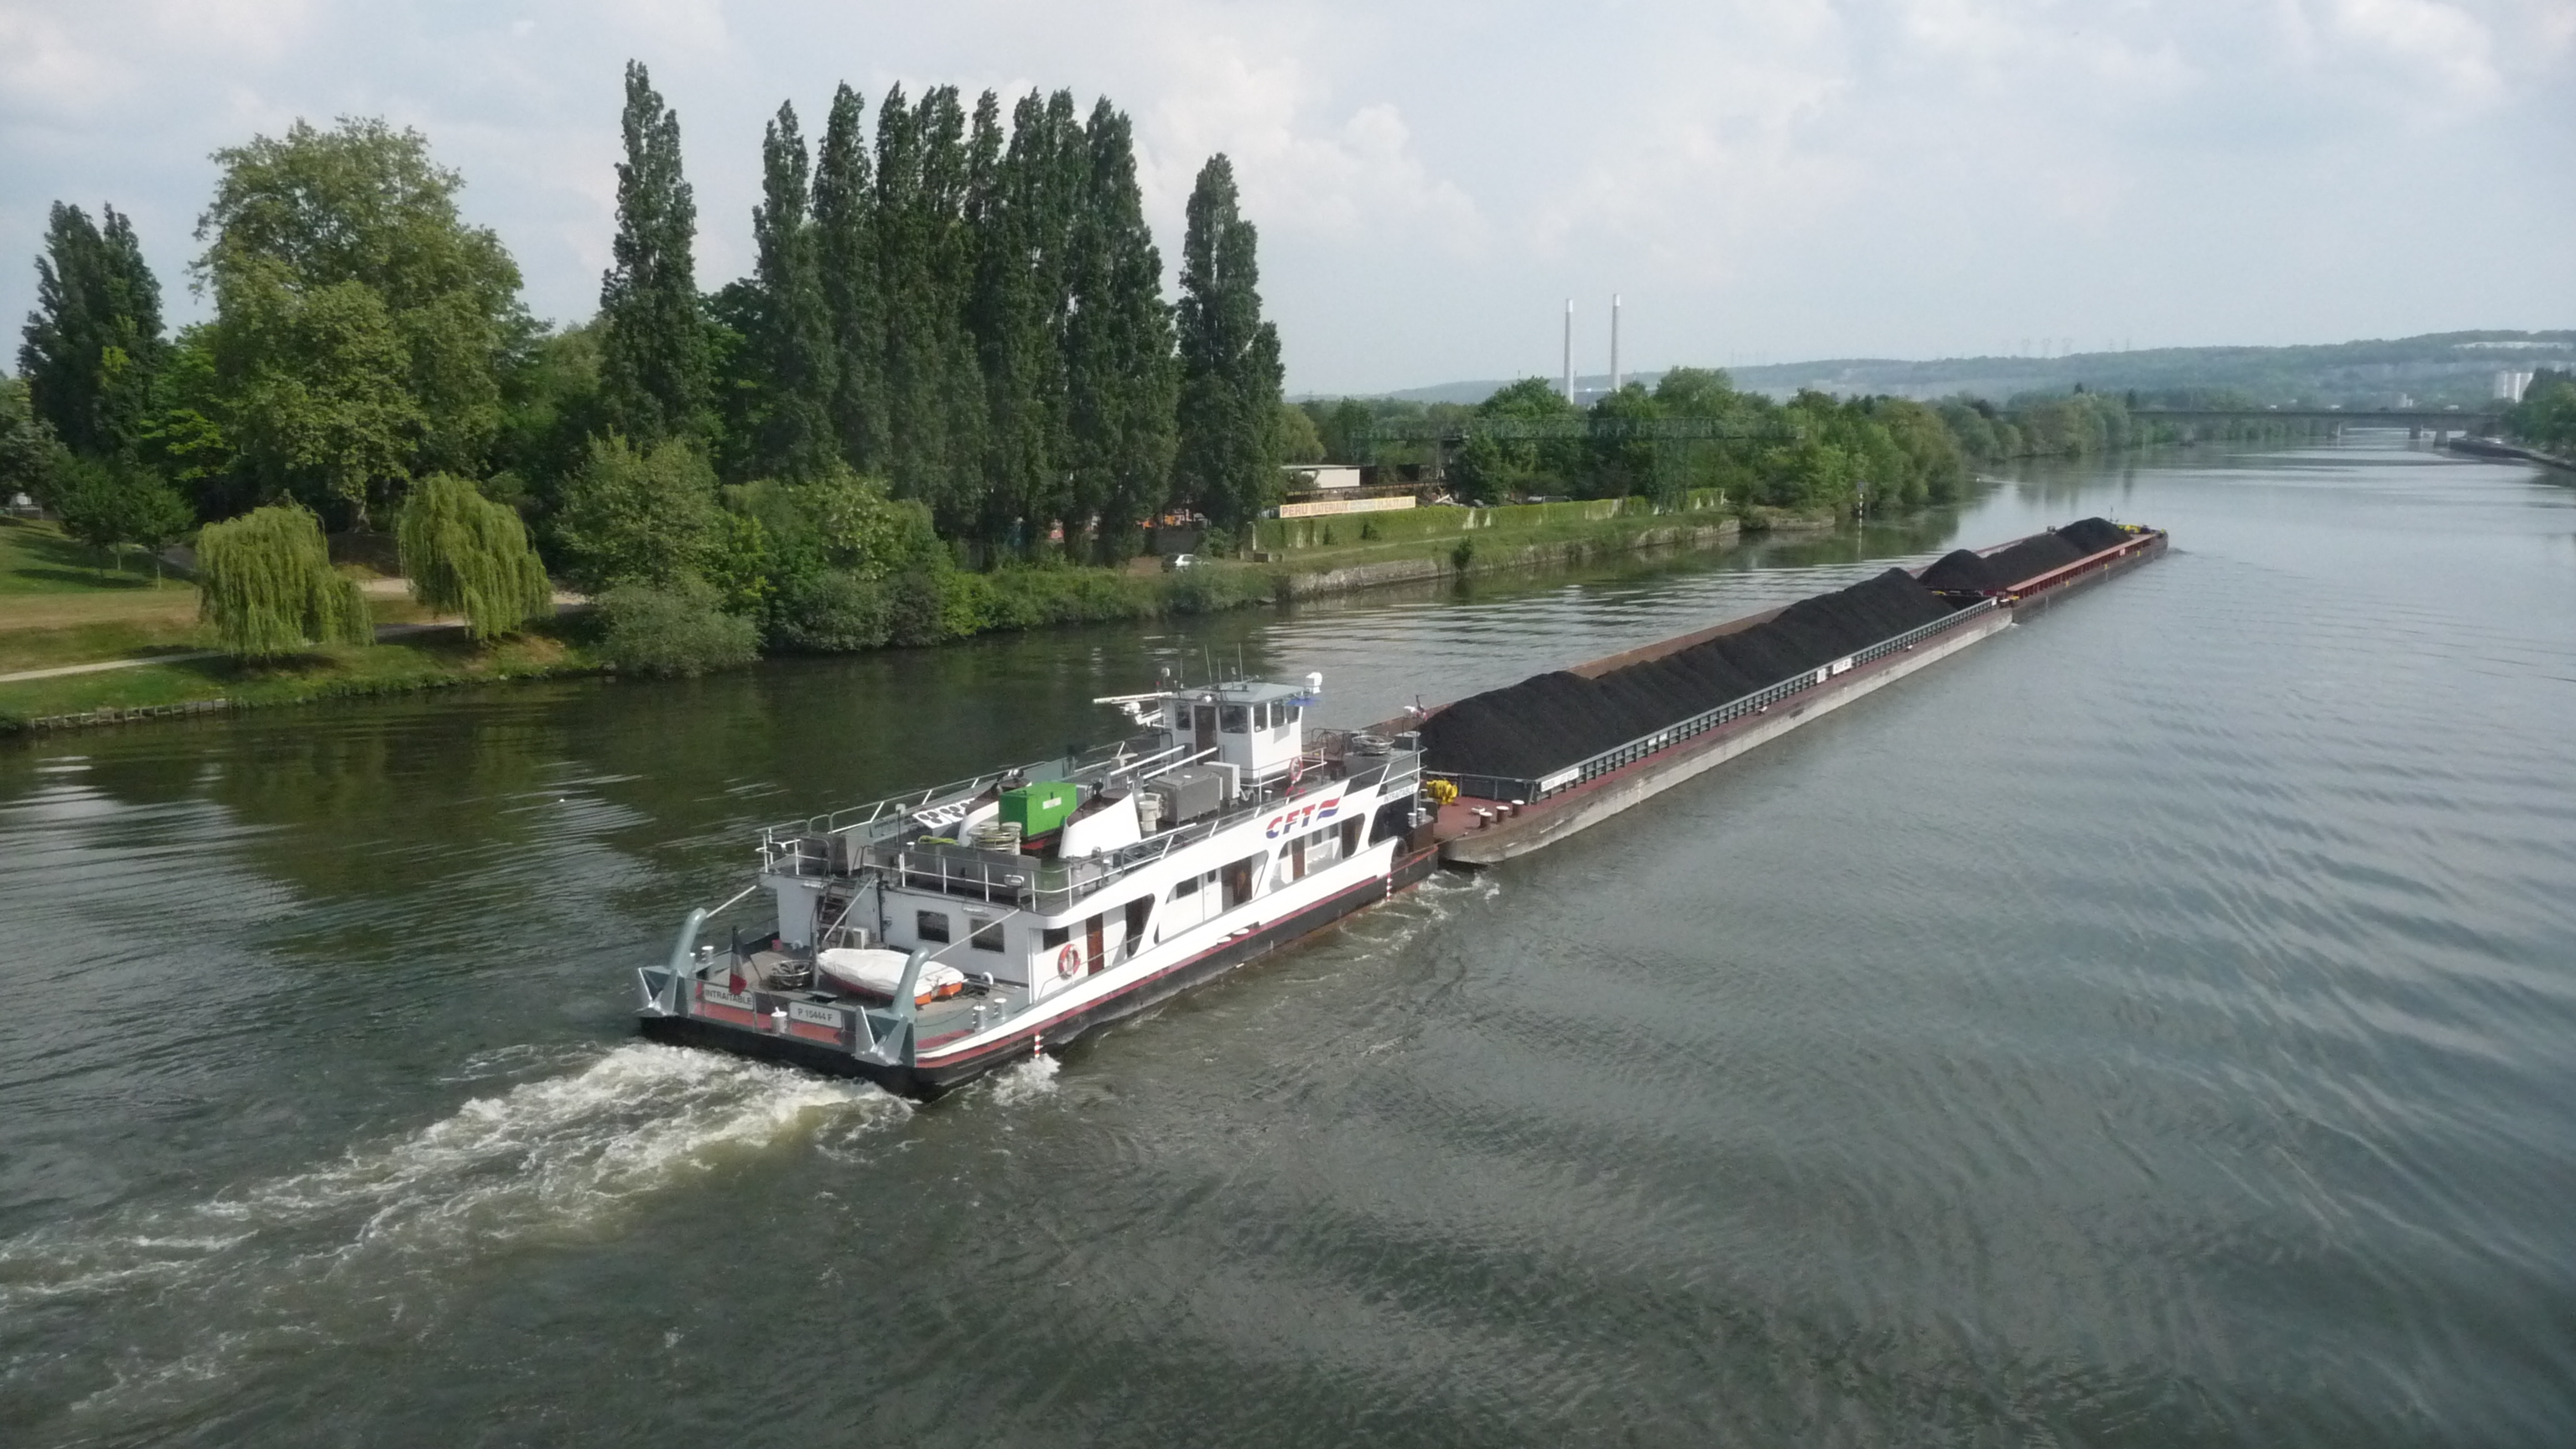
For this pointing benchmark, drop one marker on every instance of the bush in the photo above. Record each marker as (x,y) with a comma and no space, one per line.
(835,612)
(672,631)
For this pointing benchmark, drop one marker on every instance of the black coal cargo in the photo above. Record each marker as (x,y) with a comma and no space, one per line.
(2092,535)
(1961,571)
(1544,723)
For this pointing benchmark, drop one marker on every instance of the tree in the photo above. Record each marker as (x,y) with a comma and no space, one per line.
(465,554)
(633,516)
(1019,214)
(266,583)
(654,375)
(1494,468)
(93,345)
(353,235)
(113,504)
(1122,381)
(795,344)
(29,452)
(1297,440)
(1230,369)
(846,260)
(313,389)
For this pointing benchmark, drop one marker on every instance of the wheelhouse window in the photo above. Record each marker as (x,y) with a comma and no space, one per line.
(1054,936)
(931,925)
(1232,717)
(983,935)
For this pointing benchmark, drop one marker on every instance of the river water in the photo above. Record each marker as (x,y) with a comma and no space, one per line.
(2155,1026)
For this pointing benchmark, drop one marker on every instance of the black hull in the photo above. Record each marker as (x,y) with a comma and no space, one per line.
(929,1080)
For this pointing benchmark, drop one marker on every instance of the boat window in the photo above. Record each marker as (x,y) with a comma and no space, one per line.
(1351,835)
(1054,936)
(1188,887)
(1139,911)
(982,934)
(931,925)
(1238,881)
(1232,715)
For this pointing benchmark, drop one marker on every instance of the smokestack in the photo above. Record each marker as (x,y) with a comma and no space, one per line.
(1614,342)
(1569,349)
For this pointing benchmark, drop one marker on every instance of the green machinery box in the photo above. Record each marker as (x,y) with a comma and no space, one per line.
(1038,809)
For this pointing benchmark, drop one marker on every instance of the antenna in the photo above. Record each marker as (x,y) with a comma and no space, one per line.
(1569,349)
(1614,342)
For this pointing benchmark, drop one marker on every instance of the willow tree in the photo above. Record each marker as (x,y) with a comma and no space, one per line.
(268,587)
(466,554)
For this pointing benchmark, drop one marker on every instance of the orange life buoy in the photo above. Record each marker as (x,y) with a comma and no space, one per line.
(1068,962)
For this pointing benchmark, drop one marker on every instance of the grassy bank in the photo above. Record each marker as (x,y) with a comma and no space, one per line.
(1450,541)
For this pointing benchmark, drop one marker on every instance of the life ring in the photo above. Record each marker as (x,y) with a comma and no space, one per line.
(1068,962)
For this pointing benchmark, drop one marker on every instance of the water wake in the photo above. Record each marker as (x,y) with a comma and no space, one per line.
(556,1159)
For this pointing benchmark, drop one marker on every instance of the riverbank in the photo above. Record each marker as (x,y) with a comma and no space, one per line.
(2501,452)
(163,672)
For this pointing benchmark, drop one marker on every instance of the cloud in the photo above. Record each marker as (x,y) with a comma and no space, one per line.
(1778,176)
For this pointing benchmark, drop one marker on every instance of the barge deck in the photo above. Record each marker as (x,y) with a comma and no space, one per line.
(1493,819)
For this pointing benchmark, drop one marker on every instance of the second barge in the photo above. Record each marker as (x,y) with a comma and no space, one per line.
(1485,819)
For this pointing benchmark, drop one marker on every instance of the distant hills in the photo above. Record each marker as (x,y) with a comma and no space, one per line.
(2435,369)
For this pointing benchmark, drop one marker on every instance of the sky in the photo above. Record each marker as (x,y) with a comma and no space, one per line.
(1760,180)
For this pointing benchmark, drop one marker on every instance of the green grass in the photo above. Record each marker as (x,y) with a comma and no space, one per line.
(36,558)
(425,662)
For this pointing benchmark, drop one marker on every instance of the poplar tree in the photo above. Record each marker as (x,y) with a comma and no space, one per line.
(845,254)
(1121,381)
(946,166)
(1008,312)
(797,438)
(1230,366)
(93,345)
(465,554)
(266,583)
(654,375)
(915,432)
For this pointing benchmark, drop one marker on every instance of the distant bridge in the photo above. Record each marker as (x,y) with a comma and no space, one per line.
(2416,421)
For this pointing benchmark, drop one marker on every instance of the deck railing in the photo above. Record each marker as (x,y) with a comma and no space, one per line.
(1531,791)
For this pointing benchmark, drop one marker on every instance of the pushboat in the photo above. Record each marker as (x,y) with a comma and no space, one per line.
(923,940)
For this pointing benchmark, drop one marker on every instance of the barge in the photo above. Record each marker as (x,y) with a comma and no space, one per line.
(1484,818)
(925,939)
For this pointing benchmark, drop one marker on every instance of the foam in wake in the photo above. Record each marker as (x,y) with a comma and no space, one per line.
(558,1158)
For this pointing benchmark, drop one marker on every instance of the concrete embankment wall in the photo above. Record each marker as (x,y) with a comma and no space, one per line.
(1501,556)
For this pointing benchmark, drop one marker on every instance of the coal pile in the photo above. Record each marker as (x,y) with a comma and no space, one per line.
(1963,571)
(2092,535)
(1550,721)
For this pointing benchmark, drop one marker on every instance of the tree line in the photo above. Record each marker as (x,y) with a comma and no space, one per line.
(1813,452)
(955,348)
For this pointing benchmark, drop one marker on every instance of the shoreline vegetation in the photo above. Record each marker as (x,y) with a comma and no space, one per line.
(1010,599)
(952,398)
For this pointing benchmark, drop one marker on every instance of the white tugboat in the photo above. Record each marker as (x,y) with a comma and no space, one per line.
(926,939)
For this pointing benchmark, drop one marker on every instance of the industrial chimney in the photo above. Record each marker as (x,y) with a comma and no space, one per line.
(1569,349)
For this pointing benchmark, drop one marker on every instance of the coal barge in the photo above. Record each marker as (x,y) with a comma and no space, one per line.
(923,940)
(1516,769)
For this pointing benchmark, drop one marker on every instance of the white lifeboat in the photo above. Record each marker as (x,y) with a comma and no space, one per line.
(871,971)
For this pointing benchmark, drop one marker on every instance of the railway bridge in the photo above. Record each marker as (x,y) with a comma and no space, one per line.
(2440,422)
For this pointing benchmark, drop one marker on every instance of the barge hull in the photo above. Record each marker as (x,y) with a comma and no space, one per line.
(928,1080)
(1536,828)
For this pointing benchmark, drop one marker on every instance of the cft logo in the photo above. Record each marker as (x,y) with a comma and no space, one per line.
(1298,819)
